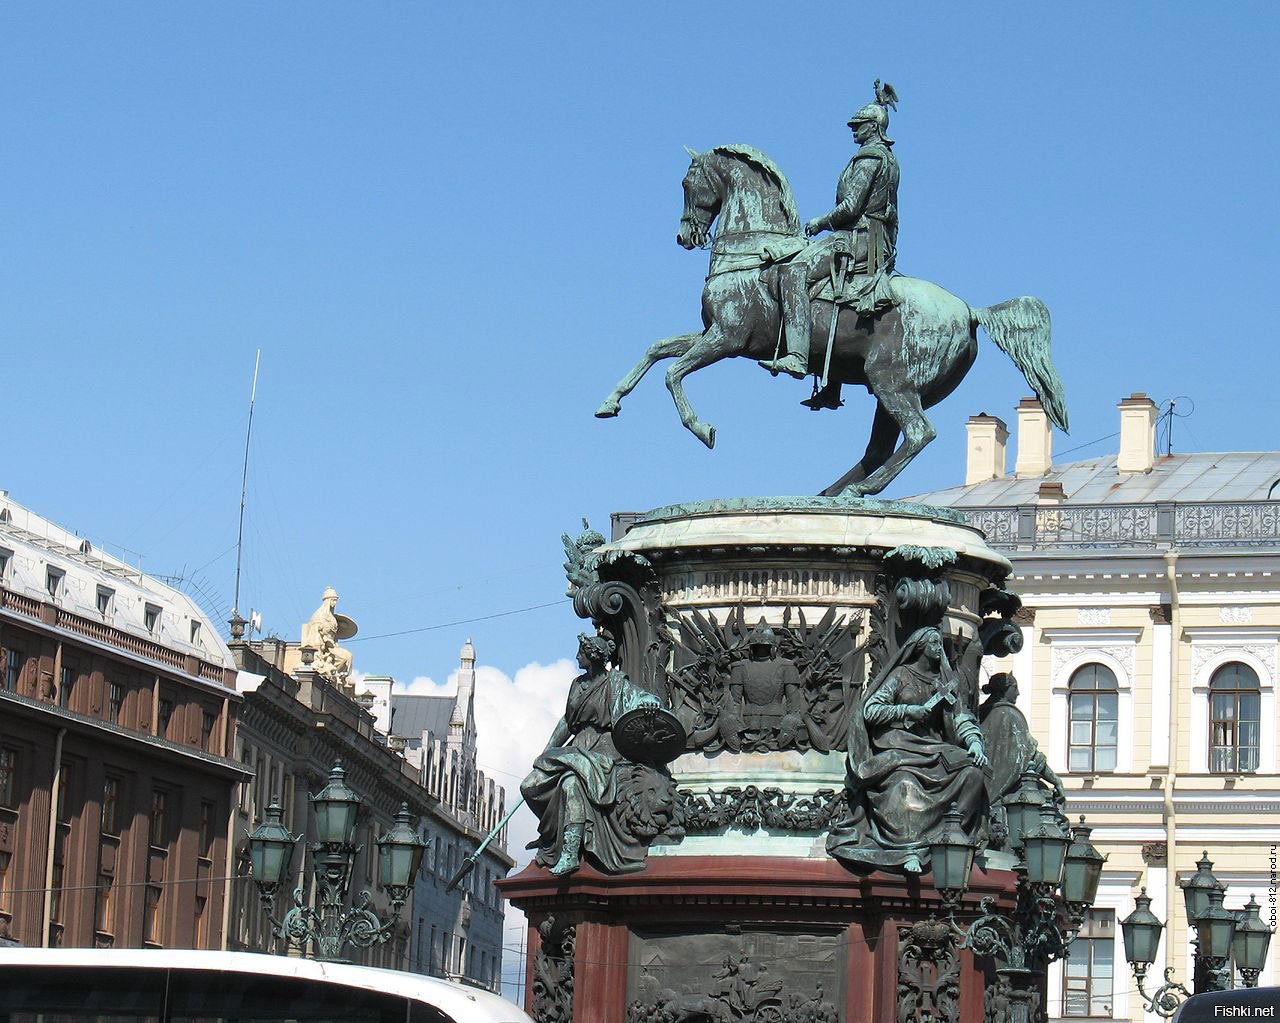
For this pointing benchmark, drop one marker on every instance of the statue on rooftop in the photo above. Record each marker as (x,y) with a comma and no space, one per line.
(322,633)
(836,308)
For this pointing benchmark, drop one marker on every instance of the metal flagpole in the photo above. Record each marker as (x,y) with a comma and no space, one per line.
(244,482)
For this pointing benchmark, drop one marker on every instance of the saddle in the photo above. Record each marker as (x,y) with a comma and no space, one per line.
(868,294)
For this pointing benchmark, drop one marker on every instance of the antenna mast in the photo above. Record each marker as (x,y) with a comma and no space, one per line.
(237,624)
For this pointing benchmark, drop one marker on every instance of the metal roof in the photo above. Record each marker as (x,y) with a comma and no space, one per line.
(1191,478)
(411,715)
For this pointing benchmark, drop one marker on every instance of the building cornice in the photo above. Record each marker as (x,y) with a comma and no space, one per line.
(20,615)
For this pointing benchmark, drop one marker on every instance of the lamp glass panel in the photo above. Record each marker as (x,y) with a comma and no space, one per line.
(1141,941)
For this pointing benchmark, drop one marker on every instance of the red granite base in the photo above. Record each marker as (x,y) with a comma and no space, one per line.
(708,904)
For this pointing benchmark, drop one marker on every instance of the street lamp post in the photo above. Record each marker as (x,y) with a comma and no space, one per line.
(1057,878)
(1220,935)
(328,926)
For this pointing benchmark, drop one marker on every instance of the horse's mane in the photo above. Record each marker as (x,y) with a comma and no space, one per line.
(765,164)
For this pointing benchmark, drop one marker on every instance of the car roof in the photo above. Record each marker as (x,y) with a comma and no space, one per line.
(459,1000)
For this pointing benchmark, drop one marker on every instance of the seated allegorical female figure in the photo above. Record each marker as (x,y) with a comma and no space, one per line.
(590,800)
(915,751)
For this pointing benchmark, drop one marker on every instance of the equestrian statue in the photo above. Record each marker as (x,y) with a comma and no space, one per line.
(834,307)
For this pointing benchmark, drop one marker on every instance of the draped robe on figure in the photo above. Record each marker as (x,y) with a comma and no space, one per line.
(903,776)
(594,704)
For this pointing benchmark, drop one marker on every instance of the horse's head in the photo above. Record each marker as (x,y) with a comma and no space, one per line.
(702,197)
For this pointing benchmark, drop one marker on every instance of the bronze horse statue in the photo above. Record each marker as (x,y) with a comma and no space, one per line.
(910,357)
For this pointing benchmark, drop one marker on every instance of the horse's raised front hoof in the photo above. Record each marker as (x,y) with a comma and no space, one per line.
(608,409)
(705,433)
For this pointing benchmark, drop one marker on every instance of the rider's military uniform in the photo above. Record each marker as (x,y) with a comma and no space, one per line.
(864,222)
(863,230)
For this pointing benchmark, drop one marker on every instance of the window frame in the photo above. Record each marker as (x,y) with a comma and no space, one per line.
(1094,694)
(105,601)
(1098,931)
(9,788)
(109,821)
(117,693)
(1235,722)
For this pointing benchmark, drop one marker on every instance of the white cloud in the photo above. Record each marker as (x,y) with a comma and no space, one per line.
(514,719)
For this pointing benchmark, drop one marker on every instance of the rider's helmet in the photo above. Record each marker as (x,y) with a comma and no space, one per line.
(762,635)
(877,112)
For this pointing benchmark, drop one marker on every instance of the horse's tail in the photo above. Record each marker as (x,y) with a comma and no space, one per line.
(1020,327)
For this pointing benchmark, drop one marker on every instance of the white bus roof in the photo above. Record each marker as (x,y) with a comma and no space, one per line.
(464,1003)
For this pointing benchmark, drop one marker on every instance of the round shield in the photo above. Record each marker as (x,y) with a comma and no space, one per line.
(649,735)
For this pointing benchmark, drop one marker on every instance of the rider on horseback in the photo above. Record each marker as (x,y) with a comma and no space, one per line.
(864,230)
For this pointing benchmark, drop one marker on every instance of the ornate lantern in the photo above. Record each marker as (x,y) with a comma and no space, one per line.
(335,808)
(1044,848)
(1215,927)
(1022,808)
(271,849)
(1083,868)
(951,857)
(1196,888)
(1141,930)
(400,853)
(1250,942)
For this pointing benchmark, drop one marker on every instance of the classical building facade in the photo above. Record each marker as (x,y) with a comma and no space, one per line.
(458,933)
(1151,590)
(117,722)
(304,709)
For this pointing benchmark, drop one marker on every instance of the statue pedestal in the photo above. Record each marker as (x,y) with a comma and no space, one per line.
(788,940)
(759,622)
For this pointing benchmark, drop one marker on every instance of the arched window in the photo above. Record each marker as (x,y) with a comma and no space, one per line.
(1094,708)
(1234,714)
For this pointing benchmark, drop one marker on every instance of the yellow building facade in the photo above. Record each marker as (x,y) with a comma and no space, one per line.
(1151,626)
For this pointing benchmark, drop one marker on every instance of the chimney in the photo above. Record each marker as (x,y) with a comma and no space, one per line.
(1035,439)
(988,441)
(1137,434)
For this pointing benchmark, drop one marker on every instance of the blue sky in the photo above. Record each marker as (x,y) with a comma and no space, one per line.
(451,229)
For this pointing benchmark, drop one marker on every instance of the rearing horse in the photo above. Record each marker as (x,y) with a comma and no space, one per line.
(910,357)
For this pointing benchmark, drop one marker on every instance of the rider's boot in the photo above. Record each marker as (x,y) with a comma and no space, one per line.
(828,397)
(570,850)
(794,292)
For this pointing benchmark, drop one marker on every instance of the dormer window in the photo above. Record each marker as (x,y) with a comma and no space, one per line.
(195,633)
(54,579)
(151,618)
(6,559)
(106,600)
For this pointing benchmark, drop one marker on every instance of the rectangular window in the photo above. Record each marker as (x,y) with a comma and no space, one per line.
(1089,969)
(5,886)
(159,831)
(202,922)
(106,600)
(111,807)
(195,633)
(14,662)
(151,618)
(164,714)
(55,894)
(207,826)
(102,906)
(53,580)
(6,559)
(151,915)
(115,701)
(208,722)
(9,778)
(66,684)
